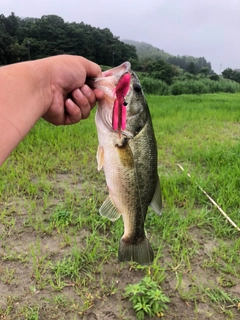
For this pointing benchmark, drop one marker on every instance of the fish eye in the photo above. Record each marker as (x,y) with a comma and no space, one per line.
(137,87)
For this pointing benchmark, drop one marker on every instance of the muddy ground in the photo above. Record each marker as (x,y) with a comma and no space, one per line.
(21,271)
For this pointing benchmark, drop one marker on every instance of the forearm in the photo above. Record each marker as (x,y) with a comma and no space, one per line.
(25,94)
(41,88)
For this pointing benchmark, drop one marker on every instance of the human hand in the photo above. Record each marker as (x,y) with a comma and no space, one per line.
(72,99)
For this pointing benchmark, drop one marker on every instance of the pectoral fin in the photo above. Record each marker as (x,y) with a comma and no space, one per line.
(109,210)
(100,157)
(156,203)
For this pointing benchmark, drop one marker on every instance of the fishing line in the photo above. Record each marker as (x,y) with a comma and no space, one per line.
(213,202)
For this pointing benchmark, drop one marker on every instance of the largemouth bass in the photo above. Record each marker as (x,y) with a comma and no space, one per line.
(127,152)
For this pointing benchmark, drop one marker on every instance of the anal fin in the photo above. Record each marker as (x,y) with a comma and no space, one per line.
(156,203)
(109,210)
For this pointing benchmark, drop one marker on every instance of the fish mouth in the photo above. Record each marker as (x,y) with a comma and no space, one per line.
(122,77)
(110,78)
(119,115)
(118,71)
(115,83)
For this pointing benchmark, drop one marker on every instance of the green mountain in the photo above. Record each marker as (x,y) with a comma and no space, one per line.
(146,50)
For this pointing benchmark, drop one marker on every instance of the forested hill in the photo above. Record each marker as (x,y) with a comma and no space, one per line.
(146,52)
(33,38)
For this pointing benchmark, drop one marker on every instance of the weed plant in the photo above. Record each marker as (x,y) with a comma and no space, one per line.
(147,298)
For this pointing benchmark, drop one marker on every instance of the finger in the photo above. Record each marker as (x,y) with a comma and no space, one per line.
(99,94)
(82,102)
(74,113)
(89,94)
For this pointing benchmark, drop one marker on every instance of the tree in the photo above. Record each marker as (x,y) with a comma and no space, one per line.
(227,73)
(161,70)
(191,68)
(21,39)
(231,74)
(135,64)
(214,77)
(236,76)
(12,24)
(204,70)
(186,62)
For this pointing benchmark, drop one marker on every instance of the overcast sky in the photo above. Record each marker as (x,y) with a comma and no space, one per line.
(200,28)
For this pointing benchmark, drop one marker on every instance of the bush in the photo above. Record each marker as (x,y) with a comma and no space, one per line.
(214,77)
(187,83)
(154,86)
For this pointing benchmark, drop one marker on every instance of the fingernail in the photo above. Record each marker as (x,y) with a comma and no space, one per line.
(78,94)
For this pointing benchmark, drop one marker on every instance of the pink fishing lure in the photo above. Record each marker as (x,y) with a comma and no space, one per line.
(119,109)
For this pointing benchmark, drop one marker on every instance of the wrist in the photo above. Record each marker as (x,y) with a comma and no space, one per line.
(25,91)
(41,72)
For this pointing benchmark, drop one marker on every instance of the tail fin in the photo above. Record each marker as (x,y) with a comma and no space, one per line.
(141,253)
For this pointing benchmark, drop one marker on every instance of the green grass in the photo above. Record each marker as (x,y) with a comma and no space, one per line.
(58,256)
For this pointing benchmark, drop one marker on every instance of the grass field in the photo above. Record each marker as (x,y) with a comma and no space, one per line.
(58,256)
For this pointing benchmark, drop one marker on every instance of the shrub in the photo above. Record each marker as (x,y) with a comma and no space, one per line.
(154,86)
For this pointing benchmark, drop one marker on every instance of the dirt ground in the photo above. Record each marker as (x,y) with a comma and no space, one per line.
(19,286)
(112,306)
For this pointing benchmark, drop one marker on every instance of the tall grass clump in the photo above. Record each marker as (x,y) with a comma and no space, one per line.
(188,85)
(205,85)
